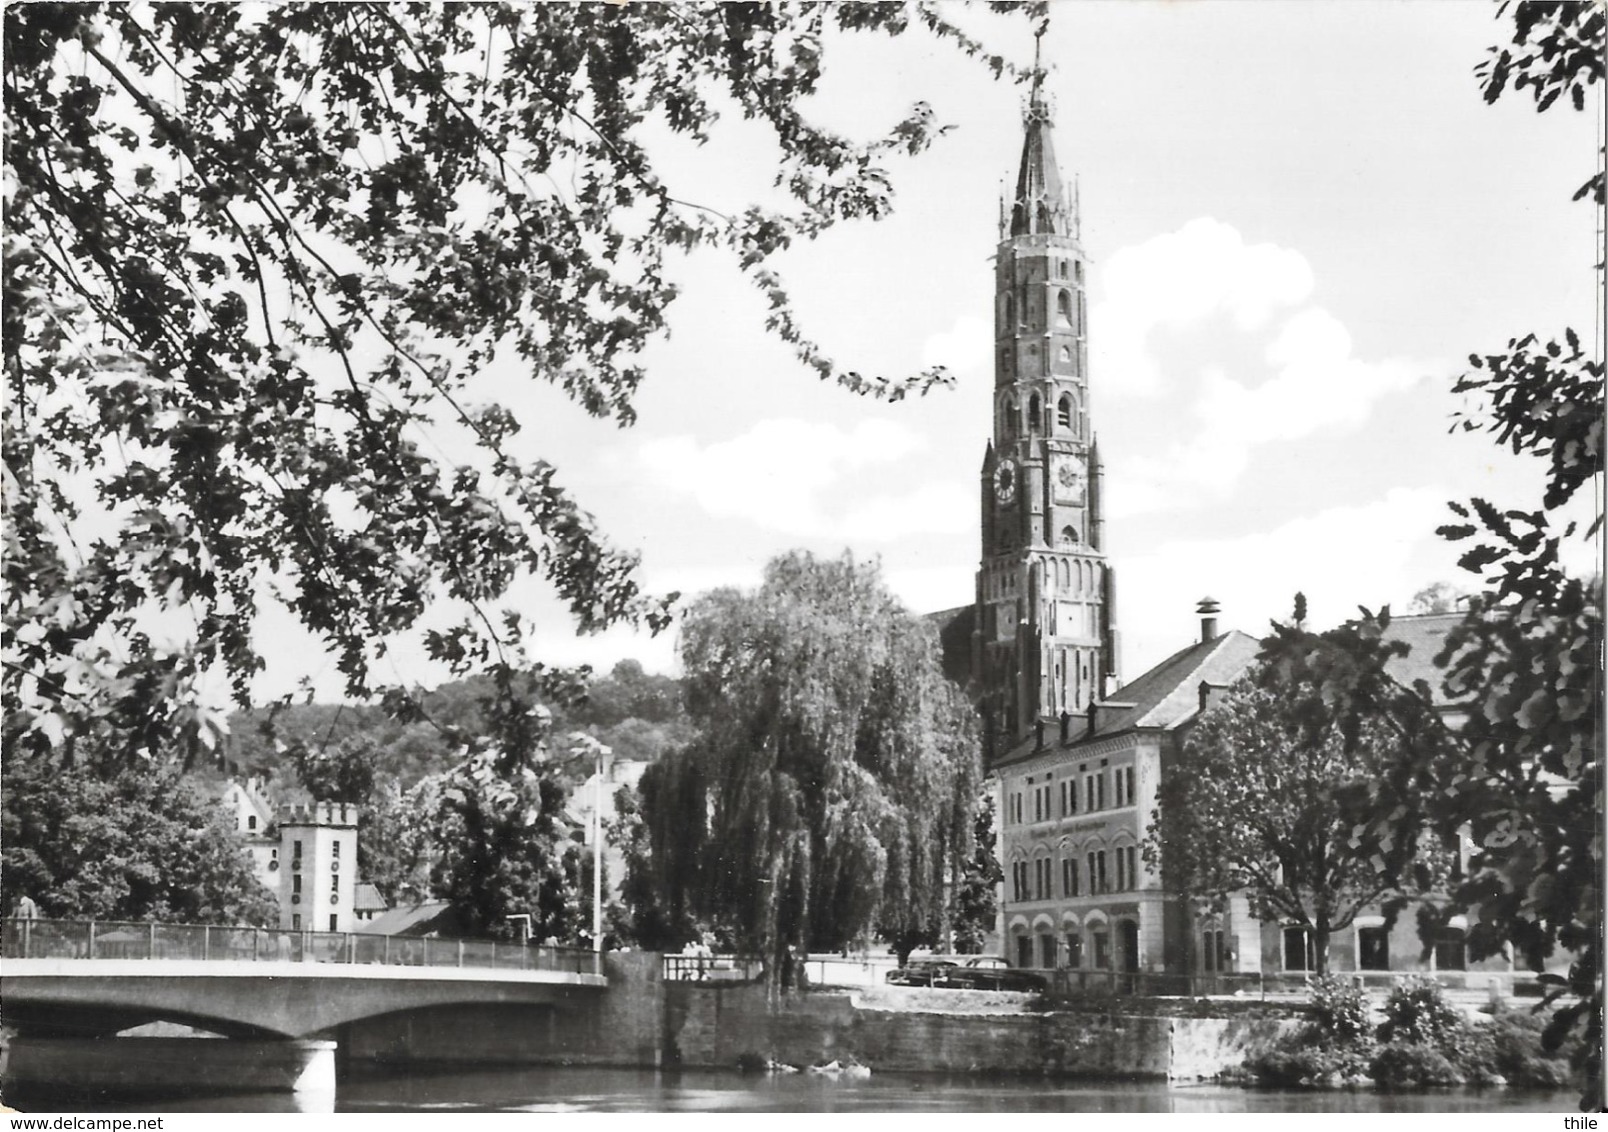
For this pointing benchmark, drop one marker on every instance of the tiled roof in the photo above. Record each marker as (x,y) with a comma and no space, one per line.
(1164,697)
(416,919)
(367,898)
(1423,635)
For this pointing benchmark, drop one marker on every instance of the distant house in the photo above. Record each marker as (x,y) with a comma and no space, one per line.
(305,854)
(252,813)
(367,903)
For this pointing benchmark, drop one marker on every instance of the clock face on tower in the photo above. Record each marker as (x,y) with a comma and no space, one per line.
(1066,473)
(1005,481)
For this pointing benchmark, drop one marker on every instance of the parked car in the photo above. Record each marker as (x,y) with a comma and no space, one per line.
(921,972)
(990,972)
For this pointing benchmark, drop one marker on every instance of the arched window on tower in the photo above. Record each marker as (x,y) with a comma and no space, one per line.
(1069,537)
(1034,425)
(1060,269)
(1010,419)
(1065,356)
(1063,413)
(1063,308)
(1010,314)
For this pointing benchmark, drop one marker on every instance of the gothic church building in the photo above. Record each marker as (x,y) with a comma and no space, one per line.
(1074,754)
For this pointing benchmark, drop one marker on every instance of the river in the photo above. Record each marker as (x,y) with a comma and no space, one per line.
(559,1089)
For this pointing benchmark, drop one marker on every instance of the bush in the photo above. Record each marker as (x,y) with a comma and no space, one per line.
(1312,1061)
(1406,1064)
(1341,1009)
(1417,1012)
(1517,1055)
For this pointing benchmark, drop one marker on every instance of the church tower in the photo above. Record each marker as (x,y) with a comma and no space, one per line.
(1044,640)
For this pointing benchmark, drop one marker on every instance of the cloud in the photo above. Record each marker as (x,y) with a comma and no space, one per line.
(1373,553)
(1316,386)
(1181,278)
(776,474)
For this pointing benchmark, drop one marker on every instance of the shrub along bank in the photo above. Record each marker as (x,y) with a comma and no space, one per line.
(1423,1041)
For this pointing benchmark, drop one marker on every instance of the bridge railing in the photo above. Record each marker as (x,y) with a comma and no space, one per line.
(110,939)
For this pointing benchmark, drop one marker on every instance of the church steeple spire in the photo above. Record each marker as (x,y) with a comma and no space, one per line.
(1040,205)
(1045,637)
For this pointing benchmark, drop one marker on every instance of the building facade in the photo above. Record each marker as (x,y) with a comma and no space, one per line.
(1077,801)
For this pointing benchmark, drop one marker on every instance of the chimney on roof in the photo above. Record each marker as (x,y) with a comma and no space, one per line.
(1207,608)
(1066,727)
(1038,735)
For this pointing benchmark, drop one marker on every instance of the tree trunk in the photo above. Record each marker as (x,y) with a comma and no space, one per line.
(1320,947)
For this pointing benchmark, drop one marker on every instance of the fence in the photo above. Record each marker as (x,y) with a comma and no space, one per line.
(104,939)
(713,968)
(1066,983)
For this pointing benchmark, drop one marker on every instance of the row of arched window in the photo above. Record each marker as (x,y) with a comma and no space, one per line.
(1080,945)
(1091,870)
(1069,417)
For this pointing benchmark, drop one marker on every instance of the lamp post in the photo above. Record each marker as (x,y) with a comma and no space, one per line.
(597,849)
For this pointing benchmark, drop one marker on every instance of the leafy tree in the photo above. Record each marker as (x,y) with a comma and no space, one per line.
(977,893)
(835,766)
(1437,597)
(1524,773)
(503,849)
(1264,797)
(645,918)
(395,851)
(139,845)
(344,774)
(258,262)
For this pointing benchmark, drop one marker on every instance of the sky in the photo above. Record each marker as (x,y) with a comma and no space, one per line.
(1301,219)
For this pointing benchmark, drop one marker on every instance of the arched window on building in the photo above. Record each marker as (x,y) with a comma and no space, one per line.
(1034,425)
(1047,949)
(1010,418)
(1063,308)
(1063,412)
(1065,356)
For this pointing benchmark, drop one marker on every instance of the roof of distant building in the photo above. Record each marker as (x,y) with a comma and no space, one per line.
(1165,697)
(1423,634)
(367,898)
(430,917)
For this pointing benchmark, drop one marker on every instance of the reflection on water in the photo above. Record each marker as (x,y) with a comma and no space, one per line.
(559,1089)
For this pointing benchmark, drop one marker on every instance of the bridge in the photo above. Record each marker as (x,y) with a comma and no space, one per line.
(90,979)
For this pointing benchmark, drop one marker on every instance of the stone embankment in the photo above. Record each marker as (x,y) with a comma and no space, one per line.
(645,1020)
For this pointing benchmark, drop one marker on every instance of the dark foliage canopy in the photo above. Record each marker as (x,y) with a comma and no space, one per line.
(257,257)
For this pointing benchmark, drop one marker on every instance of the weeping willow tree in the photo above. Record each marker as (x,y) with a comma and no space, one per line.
(830,788)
